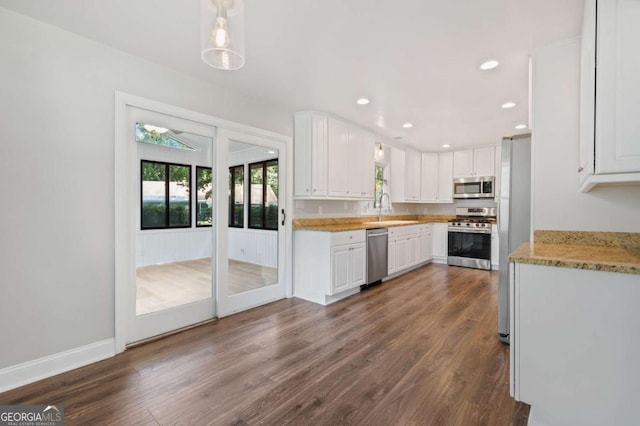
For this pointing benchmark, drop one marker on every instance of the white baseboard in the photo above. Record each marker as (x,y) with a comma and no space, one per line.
(41,368)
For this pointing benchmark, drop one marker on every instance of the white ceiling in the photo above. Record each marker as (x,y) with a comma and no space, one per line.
(417,60)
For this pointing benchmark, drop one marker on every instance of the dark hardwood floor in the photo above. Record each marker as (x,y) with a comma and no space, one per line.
(420,349)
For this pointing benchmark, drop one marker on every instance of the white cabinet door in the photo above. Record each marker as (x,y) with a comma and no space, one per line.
(422,247)
(617,128)
(474,162)
(463,163)
(440,241)
(428,245)
(391,256)
(429,177)
(319,156)
(412,175)
(402,254)
(484,161)
(412,250)
(362,163)
(397,176)
(338,159)
(340,277)
(587,91)
(310,155)
(358,265)
(445,177)
(610,93)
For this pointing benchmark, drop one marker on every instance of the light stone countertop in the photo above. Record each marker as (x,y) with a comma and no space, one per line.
(611,252)
(364,222)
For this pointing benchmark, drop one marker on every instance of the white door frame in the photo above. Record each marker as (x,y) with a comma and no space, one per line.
(125,156)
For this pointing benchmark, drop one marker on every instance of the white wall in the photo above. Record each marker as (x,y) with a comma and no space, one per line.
(557,204)
(57,168)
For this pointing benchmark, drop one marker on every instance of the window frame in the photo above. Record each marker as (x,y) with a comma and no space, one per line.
(232,195)
(264,164)
(166,196)
(376,199)
(197,210)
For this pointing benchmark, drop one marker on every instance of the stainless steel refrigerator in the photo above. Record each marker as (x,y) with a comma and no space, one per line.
(514,215)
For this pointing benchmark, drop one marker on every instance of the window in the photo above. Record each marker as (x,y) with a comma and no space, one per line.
(204,199)
(148,133)
(236,196)
(379,181)
(263,197)
(165,195)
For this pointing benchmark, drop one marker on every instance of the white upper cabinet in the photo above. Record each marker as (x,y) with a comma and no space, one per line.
(610,92)
(338,160)
(484,161)
(463,163)
(361,163)
(333,159)
(310,154)
(474,162)
(421,177)
(413,161)
(445,177)
(429,181)
(396,175)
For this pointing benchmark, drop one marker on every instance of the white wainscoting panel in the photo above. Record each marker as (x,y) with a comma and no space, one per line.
(172,245)
(254,246)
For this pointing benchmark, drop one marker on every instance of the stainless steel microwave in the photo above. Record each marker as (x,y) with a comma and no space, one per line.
(474,187)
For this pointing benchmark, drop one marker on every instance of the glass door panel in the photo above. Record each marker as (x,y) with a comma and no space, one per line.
(255,237)
(174,234)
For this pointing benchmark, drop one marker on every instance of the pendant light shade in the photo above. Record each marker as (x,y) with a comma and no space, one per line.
(222,33)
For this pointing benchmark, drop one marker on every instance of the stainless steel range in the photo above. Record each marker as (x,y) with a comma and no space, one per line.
(470,237)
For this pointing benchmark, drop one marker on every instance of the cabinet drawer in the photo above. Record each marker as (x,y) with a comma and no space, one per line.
(348,237)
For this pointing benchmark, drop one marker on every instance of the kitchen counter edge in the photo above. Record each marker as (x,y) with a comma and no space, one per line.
(596,258)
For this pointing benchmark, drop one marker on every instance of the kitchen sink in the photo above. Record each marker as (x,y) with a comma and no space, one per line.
(384,223)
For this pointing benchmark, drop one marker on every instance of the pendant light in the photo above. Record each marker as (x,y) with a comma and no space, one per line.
(222,33)
(379,153)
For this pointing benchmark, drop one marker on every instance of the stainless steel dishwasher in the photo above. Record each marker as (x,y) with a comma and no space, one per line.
(376,254)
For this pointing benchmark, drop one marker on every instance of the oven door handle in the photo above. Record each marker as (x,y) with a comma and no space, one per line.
(469,231)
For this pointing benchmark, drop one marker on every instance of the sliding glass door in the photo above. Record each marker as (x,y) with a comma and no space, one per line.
(174,235)
(252,245)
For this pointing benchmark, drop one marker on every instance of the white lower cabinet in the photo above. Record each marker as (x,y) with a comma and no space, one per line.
(347,267)
(344,252)
(440,245)
(408,246)
(575,345)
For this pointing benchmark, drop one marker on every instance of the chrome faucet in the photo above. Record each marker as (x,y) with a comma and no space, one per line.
(380,205)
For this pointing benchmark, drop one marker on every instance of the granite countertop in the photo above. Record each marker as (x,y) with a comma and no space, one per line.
(365,222)
(611,251)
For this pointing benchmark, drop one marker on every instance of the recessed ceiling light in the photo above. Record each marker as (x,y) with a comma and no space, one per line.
(446,145)
(489,65)
(271,152)
(363,101)
(508,105)
(521,126)
(407,125)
